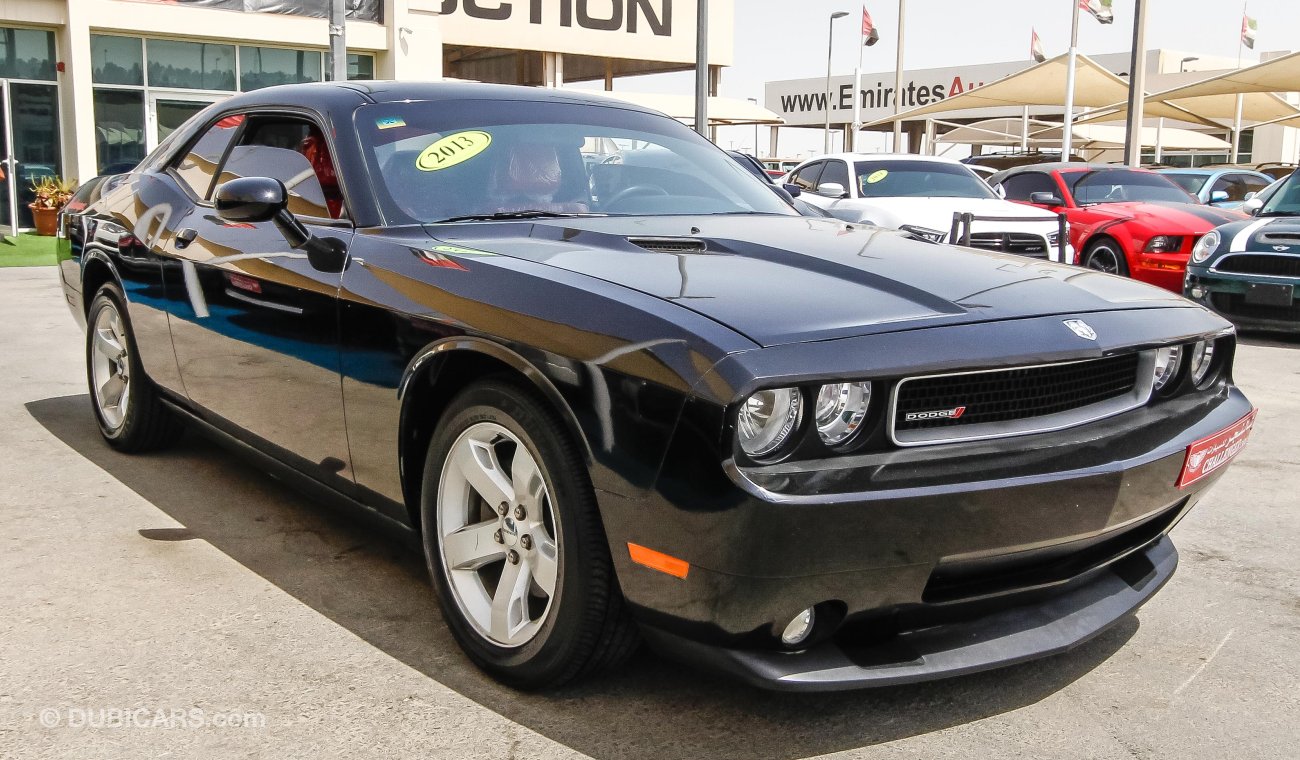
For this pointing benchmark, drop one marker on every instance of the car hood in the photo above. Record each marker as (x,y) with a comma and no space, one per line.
(936,213)
(1169,217)
(779,279)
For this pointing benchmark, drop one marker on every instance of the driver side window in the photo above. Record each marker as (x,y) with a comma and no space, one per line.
(806,178)
(295,152)
(835,172)
(1020,186)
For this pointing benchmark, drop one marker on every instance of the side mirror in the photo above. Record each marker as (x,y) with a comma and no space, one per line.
(1250,195)
(1046,198)
(833,189)
(1218,196)
(792,189)
(250,200)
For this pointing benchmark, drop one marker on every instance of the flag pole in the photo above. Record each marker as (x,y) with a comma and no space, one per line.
(1236,119)
(857,87)
(1137,78)
(898,79)
(1067,127)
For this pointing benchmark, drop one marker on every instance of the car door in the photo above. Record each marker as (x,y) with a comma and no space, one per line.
(805,178)
(256,331)
(836,173)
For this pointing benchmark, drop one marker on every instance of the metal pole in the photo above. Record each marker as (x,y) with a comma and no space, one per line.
(857,90)
(898,78)
(702,67)
(830,39)
(756,153)
(1137,78)
(1024,130)
(1236,118)
(1067,126)
(338,31)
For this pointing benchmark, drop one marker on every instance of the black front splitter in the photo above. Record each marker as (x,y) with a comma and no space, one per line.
(1011,636)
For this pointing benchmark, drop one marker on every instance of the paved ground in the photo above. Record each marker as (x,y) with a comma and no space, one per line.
(192,581)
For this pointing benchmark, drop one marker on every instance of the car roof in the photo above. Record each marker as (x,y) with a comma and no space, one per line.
(884,157)
(325,95)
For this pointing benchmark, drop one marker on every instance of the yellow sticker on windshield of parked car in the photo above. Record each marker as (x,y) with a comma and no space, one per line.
(876,176)
(452,150)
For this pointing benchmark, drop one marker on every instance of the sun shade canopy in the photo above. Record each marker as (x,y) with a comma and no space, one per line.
(1044,85)
(1095,136)
(724,111)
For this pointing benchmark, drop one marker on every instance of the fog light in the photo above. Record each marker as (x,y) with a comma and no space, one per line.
(798,630)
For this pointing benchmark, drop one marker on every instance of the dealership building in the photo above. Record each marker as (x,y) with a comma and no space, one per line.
(93,84)
(801,103)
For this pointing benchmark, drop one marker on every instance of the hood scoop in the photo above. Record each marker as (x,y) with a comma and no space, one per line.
(669,244)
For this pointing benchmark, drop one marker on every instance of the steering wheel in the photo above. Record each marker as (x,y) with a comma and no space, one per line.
(628,192)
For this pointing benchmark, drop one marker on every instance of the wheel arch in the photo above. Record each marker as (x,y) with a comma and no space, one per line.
(433,378)
(95,272)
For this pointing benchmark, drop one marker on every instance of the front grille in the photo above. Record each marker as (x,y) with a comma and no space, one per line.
(1234,305)
(1014,401)
(1264,264)
(1023,243)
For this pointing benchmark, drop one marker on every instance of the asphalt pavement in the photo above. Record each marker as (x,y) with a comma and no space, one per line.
(186,604)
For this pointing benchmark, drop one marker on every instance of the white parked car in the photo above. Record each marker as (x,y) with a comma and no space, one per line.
(921,194)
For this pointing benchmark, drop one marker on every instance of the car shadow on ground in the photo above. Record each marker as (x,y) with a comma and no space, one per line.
(368,581)
(1268,340)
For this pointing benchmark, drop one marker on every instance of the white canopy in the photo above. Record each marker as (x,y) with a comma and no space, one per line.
(1255,107)
(1044,85)
(727,111)
(1278,75)
(1088,136)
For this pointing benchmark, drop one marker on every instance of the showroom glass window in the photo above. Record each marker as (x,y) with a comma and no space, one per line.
(145,88)
(29,125)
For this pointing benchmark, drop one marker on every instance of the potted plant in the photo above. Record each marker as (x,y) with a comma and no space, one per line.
(51,193)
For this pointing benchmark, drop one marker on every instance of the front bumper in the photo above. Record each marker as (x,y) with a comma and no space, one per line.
(1164,270)
(1007,637)
(923,563)
(1225,294)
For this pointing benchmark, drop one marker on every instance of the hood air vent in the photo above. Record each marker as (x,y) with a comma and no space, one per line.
(669,244)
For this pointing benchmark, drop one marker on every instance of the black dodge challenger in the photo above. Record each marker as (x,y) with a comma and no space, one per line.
(622,391)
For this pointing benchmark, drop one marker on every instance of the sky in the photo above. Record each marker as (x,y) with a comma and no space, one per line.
(786,39)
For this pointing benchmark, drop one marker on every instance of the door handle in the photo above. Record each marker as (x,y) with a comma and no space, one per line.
(185,237)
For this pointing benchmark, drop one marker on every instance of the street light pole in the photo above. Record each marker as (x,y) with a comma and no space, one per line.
(755,102)
(830,38)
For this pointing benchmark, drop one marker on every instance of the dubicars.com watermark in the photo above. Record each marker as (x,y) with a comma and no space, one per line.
(148,717)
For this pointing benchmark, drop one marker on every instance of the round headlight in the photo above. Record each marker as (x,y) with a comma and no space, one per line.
(767,419)
(1205,246)
(840,409)
(1202,359)
(1168,359)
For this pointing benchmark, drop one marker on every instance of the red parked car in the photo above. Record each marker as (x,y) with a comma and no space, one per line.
(1125,221)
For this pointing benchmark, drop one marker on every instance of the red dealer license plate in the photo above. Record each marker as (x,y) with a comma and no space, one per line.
(1212,453)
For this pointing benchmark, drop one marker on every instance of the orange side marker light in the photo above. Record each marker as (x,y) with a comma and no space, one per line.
(654,560)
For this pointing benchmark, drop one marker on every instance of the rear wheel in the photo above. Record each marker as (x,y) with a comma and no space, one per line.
(130,413)
(514,542)
(1106,256)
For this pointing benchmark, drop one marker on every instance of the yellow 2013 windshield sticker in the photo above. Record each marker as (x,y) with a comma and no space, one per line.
(452,150)
(876,176)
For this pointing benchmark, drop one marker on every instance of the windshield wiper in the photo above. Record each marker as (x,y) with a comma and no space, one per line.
(525,214)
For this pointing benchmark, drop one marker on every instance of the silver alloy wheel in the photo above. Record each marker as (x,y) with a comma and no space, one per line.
(1103,258)
(110,367)
(497,535)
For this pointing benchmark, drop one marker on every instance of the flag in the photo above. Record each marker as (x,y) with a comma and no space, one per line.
(1100,10)
(1036,46)
(869,34)
(1248,28)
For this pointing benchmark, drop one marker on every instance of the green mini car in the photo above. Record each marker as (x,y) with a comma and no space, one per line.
(1249,271)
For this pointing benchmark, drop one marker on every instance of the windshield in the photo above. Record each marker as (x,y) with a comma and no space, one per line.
(1120,185)
(1192,183)
(1285,201)
(463,159)
(925,179)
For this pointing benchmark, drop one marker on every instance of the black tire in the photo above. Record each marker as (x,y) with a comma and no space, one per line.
(586,629)
(146,424)
(1106,255)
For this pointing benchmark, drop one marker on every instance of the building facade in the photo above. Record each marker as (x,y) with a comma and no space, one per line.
(93,85)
